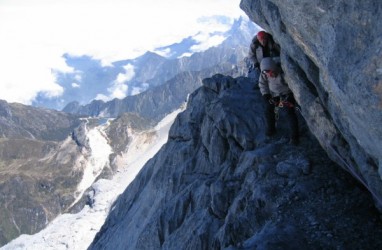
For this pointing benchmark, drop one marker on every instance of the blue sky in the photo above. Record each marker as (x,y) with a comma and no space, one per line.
(35,34)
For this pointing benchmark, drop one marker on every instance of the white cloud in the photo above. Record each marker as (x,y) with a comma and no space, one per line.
(35,34)
(102,97)
(137,90)
(127,76)
(118,90)
(206,41)
(188,54)
(119,87)
(164,52)
(75,85)
(78,77)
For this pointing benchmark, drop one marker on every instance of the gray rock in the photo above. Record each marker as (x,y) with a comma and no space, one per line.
(5,110)
(332,57)
(205,190)
(293,167)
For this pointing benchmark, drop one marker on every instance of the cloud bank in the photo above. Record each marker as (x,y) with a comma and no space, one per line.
(35,34)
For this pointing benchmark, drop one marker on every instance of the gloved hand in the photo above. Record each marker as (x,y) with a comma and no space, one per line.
(268,98)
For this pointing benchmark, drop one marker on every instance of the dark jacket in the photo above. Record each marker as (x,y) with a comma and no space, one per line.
(257,52)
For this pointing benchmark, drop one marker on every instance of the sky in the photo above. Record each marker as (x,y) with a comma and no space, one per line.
(35,34)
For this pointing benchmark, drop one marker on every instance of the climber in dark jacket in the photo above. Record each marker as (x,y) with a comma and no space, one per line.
(276,93)
(262,46)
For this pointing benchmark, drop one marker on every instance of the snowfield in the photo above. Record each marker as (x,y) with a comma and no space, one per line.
(76,231)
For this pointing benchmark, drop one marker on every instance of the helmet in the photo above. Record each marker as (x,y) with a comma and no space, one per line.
(268,64)
(261,35)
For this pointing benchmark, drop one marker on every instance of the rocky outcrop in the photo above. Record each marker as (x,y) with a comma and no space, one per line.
(332,57)
(218,183)
(119,129)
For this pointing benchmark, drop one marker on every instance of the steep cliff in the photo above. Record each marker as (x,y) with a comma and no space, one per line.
(218,183)
(332,57)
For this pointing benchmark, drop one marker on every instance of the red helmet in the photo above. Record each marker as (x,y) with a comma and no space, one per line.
(261,35)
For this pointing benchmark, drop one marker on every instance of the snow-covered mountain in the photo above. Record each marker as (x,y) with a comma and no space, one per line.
(91,80)
(77,230)
(50,159)
(66,148)
(172,80)
(218,182)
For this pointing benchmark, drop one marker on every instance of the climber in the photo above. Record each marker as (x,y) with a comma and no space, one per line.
(277,95)
(262,46)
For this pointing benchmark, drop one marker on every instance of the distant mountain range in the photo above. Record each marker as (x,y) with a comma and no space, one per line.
(40,154)
(47,154)
(93,81)
(169,81)
(218,182)
(48,160)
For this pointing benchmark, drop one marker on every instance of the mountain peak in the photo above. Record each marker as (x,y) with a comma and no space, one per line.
(149,55)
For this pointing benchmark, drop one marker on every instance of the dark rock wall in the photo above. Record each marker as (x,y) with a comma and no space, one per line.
(332,57)
(218,183)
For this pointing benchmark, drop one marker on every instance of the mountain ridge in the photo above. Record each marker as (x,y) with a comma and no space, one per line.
(219,183)
(91,79)
(225,58)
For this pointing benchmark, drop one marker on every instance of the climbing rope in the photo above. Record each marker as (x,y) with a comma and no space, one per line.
(281,104)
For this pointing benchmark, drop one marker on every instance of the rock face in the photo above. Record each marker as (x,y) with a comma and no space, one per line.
(218,183)
(332,57)
(118,131)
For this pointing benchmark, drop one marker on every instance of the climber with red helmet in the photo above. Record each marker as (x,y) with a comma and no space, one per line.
(262,46)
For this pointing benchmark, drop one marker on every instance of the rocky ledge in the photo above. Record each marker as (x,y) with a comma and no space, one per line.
(331,52)
(218,183)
